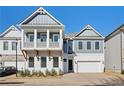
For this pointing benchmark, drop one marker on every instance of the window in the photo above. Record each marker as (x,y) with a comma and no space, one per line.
(88,45)
(55,38)
(55,62)
(70,46)
(31,37)
(5,45)
(31,61)
(43,61)
(80,45)
(97,45)
(65,47)
(43,37)
(13,45)
(64,60)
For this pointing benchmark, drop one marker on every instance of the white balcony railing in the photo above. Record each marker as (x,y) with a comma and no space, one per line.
(54,45)
(28,44)
(41,44)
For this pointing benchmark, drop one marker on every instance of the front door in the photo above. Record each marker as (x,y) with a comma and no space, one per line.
(70,66)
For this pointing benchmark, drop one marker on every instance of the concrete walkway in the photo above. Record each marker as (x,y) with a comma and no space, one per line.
(70,79)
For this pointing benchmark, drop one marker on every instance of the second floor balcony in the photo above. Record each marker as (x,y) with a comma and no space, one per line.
(42,39)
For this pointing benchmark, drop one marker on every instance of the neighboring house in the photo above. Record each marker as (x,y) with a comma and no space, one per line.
(43,46)
(8,41)
(84,52)
(114,50)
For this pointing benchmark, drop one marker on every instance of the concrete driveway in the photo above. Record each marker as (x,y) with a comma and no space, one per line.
(70,79)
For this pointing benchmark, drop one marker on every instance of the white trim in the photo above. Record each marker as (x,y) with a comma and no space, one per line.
(48,38)
(45,12)
(91,28)
(22,38)
(35,38)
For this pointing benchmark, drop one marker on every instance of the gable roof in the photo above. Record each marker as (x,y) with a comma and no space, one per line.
(115,32)
(88,27)
(8,30)
(41,17)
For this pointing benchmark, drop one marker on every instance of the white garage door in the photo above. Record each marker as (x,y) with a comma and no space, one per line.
(92,66)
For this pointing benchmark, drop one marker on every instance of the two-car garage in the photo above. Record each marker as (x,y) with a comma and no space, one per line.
(89,63)
(89,66)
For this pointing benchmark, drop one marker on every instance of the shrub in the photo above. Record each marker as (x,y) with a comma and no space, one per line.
(61,72)
(47,72)
(34,73)
(39,74)
(27,73)
(122,72)
(22,73)
(53,72)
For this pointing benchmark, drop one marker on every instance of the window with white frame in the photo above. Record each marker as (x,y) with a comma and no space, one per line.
(31,61)
(80,45)
(88,45)
(31,37)
(55,62)
(13,45)
(5,45)
(97,45)
(43,37)
(55,38)
(43,61)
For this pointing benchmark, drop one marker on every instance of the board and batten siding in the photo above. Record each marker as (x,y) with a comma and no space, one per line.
(42,20)
(113,53)
(92,50)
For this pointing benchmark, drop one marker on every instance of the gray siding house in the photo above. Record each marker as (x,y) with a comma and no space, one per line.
(114,50)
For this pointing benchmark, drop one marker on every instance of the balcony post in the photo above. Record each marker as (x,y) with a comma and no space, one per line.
(61,39)
(22,38)
(48,36)
(35,38)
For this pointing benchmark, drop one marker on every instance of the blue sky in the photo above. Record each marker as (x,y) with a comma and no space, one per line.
(103,19)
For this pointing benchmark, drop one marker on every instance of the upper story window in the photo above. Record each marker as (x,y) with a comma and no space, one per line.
(80,45)
(13,45)
(88,45)
(43,37)
(55,38)
(70,46)
(5,45)
(97,45)
(31,37)
(65,46)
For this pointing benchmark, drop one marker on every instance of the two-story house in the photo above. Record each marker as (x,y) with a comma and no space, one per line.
(43,46)
(42,41)
(84,52)
(114,50)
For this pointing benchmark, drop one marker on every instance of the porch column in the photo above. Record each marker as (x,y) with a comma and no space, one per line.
(48,32)
(22,38)
(35,38)
(61,39)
